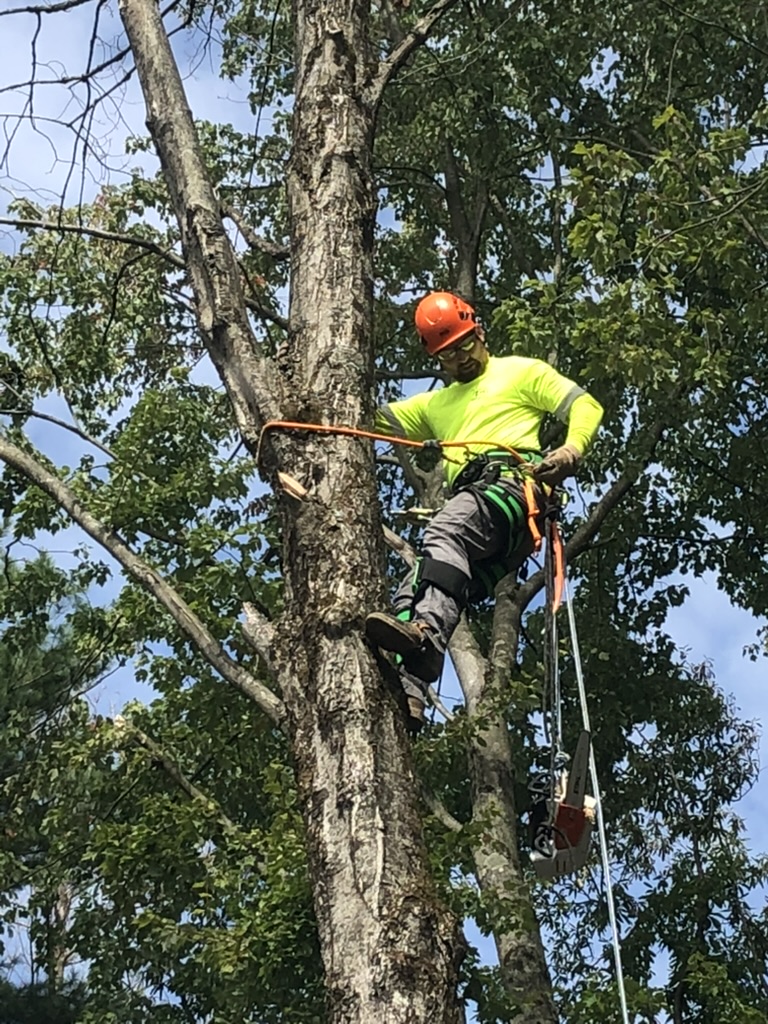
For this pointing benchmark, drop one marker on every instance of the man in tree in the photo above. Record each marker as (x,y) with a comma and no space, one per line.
(495,406)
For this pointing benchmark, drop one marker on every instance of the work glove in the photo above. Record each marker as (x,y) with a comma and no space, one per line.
(559,464)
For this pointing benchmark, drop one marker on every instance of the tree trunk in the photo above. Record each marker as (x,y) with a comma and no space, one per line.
(390,949)
(516,933)
(523,966)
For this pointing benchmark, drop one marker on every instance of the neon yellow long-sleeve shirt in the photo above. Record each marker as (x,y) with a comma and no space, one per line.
(503,407)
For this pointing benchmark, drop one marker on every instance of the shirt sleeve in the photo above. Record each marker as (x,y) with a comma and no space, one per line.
(585,416)
(549,391)
(407,418)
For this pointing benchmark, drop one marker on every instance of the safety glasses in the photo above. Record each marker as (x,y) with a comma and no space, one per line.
(449,354)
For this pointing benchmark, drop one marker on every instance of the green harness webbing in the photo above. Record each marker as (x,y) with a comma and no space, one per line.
(488,574)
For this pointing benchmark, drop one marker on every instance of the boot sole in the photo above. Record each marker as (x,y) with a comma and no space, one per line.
(384,632)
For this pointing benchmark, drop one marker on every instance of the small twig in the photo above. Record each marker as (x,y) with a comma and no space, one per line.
(434,697)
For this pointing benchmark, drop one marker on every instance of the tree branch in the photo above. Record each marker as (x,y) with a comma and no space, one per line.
(140,243)
(125,728)
(108,236)
(189,624)
(63,5)
(273,249)
(60,423)
(389,67)
(438,810)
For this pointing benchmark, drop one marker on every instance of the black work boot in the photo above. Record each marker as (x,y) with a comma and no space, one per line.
(413,641)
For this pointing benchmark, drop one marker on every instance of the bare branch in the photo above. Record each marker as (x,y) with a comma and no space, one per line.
(108,236)
(273,249)
(434,697)
(402,547)
(63,5)
(190,625)
(60,423)
(389,67)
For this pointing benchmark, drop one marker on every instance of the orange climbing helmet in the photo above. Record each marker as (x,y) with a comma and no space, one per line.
(442,318)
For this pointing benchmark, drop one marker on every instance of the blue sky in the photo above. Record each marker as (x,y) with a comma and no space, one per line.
(707,625)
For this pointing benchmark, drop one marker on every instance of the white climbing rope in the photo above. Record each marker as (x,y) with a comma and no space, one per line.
(599,809)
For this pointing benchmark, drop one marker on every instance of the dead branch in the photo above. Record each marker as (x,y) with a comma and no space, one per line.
(189,624)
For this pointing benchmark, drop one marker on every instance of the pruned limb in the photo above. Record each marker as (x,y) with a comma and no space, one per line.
(251,380)
(389,67)
(273,249)
(259,632)
(190,625)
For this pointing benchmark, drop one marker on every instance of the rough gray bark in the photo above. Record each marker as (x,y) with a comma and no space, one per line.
(390,948)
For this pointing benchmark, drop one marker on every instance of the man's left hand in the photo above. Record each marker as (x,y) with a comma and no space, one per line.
(558,465)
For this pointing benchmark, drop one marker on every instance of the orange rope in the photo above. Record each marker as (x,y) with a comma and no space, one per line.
(533,511)
(344,431)
(556,540)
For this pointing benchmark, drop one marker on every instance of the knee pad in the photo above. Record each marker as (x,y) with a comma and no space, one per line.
(446,577)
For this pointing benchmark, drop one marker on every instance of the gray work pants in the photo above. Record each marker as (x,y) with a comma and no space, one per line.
(466,530)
